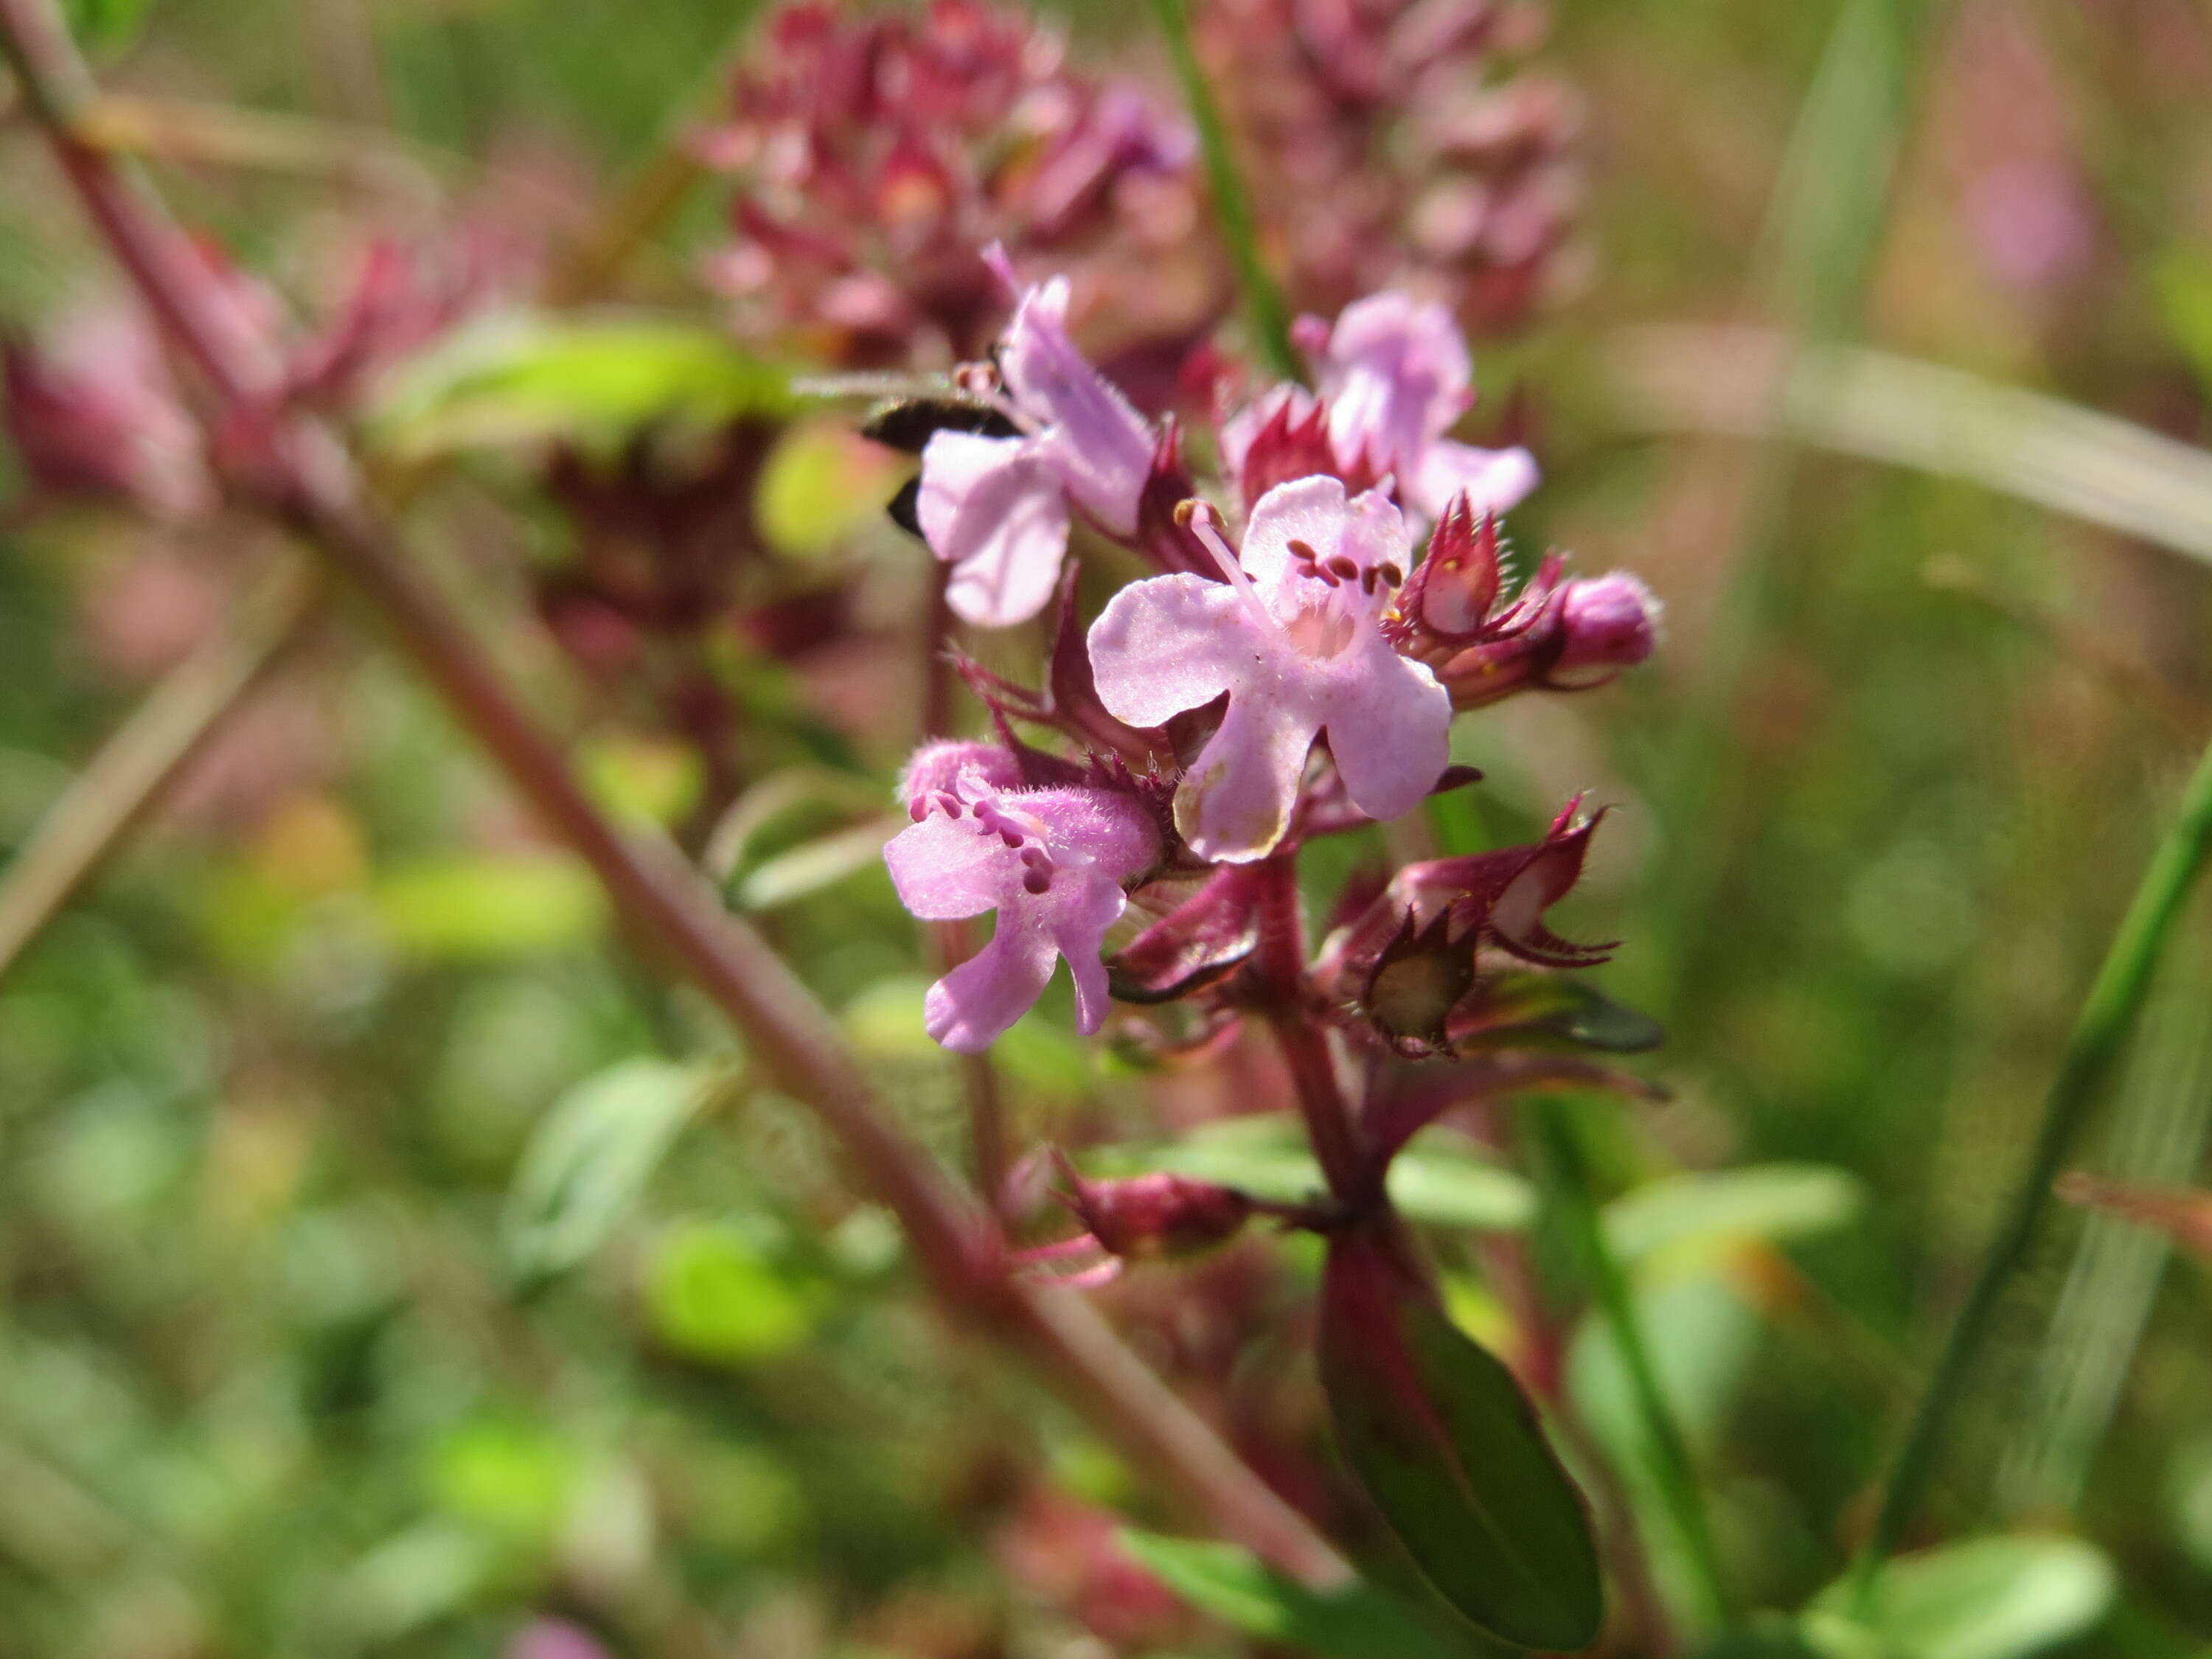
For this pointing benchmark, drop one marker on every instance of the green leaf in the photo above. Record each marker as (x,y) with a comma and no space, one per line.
(482,908)
(590,1158)
(1432,1181)
(1764,1636)
(1441,1438)
(713,1296)
(523,378)
(807,870)
(1359,1621)
(1988,1598)
(106,25)
(1553,1010)
(1771,1202)
(2183,284)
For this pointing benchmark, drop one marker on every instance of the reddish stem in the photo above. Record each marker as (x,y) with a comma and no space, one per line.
(1282,962)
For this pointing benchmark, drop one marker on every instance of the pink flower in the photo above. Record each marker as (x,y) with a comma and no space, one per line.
(1393,376)
(1295,641)
(1051,861)
(997,509)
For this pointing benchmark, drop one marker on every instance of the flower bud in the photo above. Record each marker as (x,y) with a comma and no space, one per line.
(1157,1217)
(1607,624)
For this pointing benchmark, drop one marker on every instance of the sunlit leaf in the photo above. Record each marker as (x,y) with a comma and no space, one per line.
(522,378)
(106,25)
(1361,1620)
(807,870)
(1440,1437)
(1770,1201)
(1988,1598)
(821,483)
(1432,1181)
(591,1157)
(479,907)
(713,1296)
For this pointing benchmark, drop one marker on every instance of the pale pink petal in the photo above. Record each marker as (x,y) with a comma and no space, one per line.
(1311,510)
(1101,446)
(971,1008)
(1170,643)
(1235,802)
(1396,374)
(996,509)
(945,868)
(1496,480)
(1079,932)
(1389,728)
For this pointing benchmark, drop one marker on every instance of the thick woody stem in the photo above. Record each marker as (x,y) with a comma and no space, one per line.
(663,900)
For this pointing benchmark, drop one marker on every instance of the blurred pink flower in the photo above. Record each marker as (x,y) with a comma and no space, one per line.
(1393,375)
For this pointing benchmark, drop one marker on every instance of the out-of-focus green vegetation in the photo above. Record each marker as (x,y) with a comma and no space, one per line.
(388,1259)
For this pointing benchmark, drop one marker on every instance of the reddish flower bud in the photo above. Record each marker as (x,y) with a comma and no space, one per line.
(1606,624)
(1157,1217)
(1413,965)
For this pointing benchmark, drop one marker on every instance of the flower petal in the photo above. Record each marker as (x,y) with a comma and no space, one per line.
(1389,728)
(1309,510)
(1495,479)
(1101,446)
(1170,643)
(996,509)
(971,1008)
(1235,802)
(1079,929)
(946,868)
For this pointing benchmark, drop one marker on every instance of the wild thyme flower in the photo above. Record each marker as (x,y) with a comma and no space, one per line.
(1294,639)
(997,508)
(1053,862)
(1393,376)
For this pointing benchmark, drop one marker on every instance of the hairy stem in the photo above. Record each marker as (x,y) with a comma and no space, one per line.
(1263,301)
(1576,1200)
(664,901)
(1281,960)
(2107,1015)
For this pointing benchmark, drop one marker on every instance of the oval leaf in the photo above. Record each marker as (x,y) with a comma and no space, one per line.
(1988,1598)
(524,378)
(1770,1201)
(1440,1436)
(591,1156)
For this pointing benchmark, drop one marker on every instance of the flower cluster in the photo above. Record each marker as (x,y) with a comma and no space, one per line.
(1293,672)
(874,154)
(1385,145)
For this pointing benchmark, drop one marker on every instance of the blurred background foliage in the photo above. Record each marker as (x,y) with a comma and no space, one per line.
(390,1264)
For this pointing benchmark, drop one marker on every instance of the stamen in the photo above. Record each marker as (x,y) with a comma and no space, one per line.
(1202,521)
(1344,568)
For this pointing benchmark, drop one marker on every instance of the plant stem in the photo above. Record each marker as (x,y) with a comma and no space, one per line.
(1576,1200)
(665,904)
(2107,1014)
(133,766)
(1263,301)
(1281,960)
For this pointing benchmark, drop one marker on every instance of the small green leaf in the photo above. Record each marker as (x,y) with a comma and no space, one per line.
(591,1157)
(1432,1181)
(713,1296)
(523,378)
(807,870)
(1772,1201)
(482,908)
(1764,1636)
(1361,1620)
(104,26)
(1987,1598)
(1441,1438)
